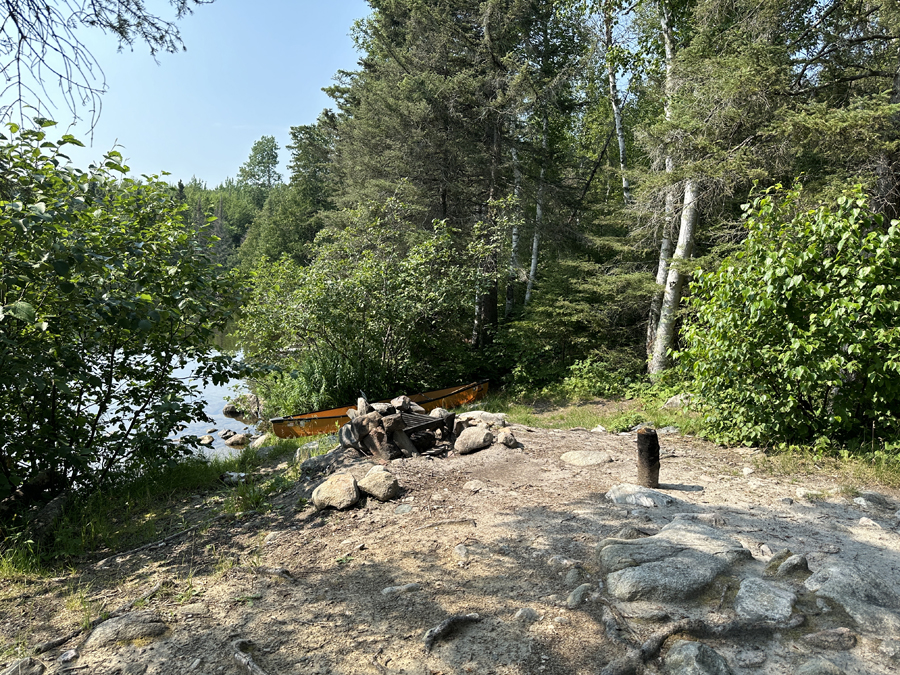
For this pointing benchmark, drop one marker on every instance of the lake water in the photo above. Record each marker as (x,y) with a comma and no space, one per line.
(216,398)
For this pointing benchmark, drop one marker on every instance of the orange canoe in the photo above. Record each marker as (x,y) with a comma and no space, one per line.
(329,421)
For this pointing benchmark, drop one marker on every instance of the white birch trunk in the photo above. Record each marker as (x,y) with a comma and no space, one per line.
(665,334)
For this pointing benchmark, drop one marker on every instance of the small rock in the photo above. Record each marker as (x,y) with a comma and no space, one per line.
(380,484)
(403,509)
(695,658)
(868,522)
(338,491)
(28,666)
(599,429)
(748,471)
(576,597)
(195,665)
(839,639)
(819,666)
(585,458)
(561,619)
(876,498)
(439,412)
(527,615)
(573,576)
(237,441)
(474,486)
(68,656)
(473,439)
(776,561)
(233,478)
(225,434)
(383,408)
(461,552)
(125,628)
(637,495)
(787,500)
(211,431)
(260,441)
(762,600)
(401,403)
(206,440)
(507,438)
(560,561)
(862,503)
(271,537)
(795,563)
(406,588)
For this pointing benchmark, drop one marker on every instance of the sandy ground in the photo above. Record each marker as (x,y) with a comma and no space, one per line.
(488,533)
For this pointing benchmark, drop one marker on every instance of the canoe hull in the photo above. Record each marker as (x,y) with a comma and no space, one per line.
(329,421)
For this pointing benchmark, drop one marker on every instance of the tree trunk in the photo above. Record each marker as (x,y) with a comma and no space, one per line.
(616,108)
(665,334)
(513,273)
(665,250)
(662,272)
(887,170)
(538,209)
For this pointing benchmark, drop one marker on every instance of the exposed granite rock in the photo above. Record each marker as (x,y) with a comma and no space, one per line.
(763,600)
(695,658)
(125,628)
(873,602)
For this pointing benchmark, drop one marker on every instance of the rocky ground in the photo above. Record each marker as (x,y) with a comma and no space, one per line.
(516,560)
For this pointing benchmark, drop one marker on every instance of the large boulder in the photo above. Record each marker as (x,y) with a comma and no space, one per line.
(380,484)
(339,491)
(473,439)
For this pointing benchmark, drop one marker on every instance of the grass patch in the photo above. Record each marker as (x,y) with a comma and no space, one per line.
(618,415)
(849,467)
(152,506)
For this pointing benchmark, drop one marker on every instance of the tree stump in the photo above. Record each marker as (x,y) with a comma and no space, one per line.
(648,458)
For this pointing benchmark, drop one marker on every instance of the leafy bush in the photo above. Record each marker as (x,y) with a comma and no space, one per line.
(798,336)
(103,291)
(380,308)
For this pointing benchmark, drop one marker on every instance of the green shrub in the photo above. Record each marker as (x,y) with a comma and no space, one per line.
(797,337)
(103,291)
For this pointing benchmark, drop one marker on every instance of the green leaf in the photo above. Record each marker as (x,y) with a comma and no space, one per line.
(21,311)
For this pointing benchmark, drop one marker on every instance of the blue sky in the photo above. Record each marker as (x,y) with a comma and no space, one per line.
(250,69)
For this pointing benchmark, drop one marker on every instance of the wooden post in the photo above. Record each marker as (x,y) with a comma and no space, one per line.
(648,457)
